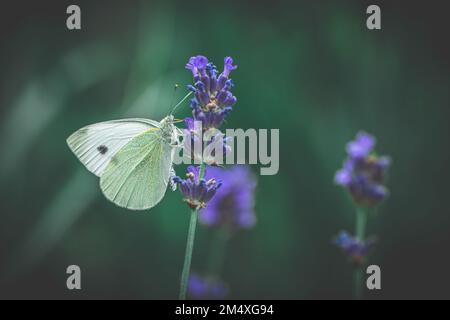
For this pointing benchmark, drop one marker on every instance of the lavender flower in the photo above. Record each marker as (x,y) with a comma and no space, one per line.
(197,192)
(233,204)
(213,99)
(355,249)
(202,147)
(363,172)
(202,288)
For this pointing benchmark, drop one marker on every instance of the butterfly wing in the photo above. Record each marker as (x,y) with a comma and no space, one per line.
(137,176)
(96,144)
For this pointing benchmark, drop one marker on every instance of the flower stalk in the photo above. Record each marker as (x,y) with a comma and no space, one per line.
(358,276)
(190,244)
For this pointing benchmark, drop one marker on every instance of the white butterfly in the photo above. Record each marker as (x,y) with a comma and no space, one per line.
(132,157)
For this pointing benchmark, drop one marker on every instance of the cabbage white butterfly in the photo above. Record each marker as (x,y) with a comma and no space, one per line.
(132,157)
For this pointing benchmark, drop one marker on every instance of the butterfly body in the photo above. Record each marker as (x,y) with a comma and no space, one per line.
(132,157)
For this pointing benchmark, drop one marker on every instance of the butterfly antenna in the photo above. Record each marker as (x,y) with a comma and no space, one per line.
(179,103)
(175,87)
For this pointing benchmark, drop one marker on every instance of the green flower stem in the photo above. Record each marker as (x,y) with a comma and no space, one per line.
(361,221)
(188,255)
(190,245)
(201,174)
(358,277)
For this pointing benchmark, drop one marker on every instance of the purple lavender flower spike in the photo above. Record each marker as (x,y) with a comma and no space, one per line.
(197,192)
(203,288)
(355,249)
(364,173)
(212,94)
(233,205)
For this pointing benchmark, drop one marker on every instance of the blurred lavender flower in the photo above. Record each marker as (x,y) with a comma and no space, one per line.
(363,172)
(355,249)
(197,192)
(202,288)
(233,204)
(201,147)
(213,99)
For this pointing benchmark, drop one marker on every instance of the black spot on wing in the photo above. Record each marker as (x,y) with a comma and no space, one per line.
(102,149)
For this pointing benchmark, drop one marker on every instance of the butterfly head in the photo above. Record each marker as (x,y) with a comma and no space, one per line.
(169,131)
(167,123)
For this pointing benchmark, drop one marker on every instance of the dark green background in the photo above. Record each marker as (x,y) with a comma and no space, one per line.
(311,69)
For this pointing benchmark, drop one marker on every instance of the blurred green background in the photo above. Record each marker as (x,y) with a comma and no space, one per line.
(311,69)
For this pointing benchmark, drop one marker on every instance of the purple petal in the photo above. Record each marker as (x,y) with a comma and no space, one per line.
(228,66)
(361,146)
(343,177)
